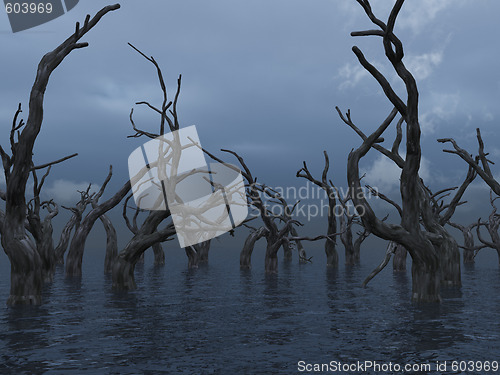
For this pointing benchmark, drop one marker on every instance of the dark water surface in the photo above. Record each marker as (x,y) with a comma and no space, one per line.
(220,320)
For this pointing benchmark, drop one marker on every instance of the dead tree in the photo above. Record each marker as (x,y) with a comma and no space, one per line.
(492,227)
(347,219)
(275,236)
(332,257)
(111,238)
(147,235)
(246,252)
(77,246)
(433,250)
(399,259)
(469,248)
(73,223)
(399,251)
(286,215)
(159,255)
(442,212)
(480,163)
(26,263)
(197,254)
(41,229)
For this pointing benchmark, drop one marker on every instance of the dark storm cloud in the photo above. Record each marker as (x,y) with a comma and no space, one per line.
(260,77)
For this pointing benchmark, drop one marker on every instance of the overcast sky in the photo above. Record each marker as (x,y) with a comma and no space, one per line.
(260,77)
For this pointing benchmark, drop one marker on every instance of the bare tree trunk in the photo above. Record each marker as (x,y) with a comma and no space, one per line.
(346,238)
(26,278)
(332,257)
(362,236)
(159,254)
(468,254)
(73,223)
(399,260)
(287,252)
(492,225)
(77,245)
(193,257)
(425,282)
(147,236)
(203,249)
(42,230)
(469,249)
(352,250)
(197,254)
(76,248)
(246,252)
(433,250)
(111,244)
(26,267)
(271,259)
(123,274)
(300,249)
(449,260)
(64,239)
(46,251)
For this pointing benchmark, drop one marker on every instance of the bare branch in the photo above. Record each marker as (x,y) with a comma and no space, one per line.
(484,172)
(390,250)
(54,162)
(385,198)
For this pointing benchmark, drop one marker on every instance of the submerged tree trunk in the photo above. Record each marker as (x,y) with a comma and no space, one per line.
(433,251)
(203,249)
(362,236)
(123,273)
(399,260)
(300,249)
(332,257)
(469,249)
(193,257)
(197,254)
(61,247)
(111,244)
(246,252)
(287,252)
(46,251)
(159,254)
(468,255)
(425,282)
(26,264)
(125,262)
(26,267)
(346,238)
(148,235)
(271,259)
(449,260)
(77,245)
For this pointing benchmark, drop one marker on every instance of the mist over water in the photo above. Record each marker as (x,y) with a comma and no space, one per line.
(220,320)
